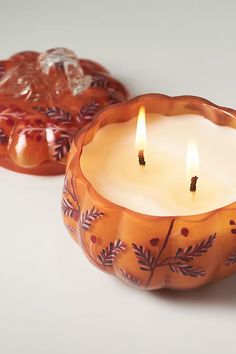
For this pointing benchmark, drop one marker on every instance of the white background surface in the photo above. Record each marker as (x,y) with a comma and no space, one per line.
(52,301)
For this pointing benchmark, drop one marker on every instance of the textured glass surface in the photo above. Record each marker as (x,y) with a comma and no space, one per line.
(66,61)
(50,74)
(149,252)
(45,99)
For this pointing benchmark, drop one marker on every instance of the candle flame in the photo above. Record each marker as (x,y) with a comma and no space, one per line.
(192,161)
(141,139)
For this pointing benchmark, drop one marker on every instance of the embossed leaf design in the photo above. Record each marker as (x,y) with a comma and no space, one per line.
(3,137)
(113,99)
(129,278)
(69,188)
(56,114)
(87,111)
(231,259)
(2,69)
(191,252)
(70,228)
(179,262)
(187,270)
(89,216)
(99,80)
(62,146)
(145,258)
(108,254)
(29,130)
(9,114)
(69,210)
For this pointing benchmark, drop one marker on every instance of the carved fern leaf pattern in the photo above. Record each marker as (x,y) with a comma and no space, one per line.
(70,188)
(56,114)
(9,114)
(129,278)
(70,228)
(187,270)
(191,252)
(27,131)
(87,112)
(3,137)
(100,80)
(231,259)
(89,216)
(62,146)
(2,69)
(179,262)
(66,184)
(69,210)
(144,256)
(108,254)
(114,99)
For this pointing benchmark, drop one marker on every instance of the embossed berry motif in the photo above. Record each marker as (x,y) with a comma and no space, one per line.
(93,239)
(154,241)
(148,261)
(184,231)
(233,230)
(231,259)
(58,120)
(54,87)
(59,138)
(183,252)
(177,263)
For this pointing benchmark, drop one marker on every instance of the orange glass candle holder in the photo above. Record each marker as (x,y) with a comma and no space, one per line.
(149,252)
(45,99)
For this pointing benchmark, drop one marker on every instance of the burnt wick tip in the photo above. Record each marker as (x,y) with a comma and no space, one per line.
(193,184)
(141,158)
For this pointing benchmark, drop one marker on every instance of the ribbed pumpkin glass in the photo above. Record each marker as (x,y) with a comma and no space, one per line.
(149,252)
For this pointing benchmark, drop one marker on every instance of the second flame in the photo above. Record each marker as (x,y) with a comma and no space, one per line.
(141,138)
(192,161)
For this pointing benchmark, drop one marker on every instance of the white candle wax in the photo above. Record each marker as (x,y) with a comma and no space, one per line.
(160,188)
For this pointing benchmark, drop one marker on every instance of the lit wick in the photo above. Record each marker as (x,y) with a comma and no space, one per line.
(141,159)
(192,165)
(140,140)
(193,184)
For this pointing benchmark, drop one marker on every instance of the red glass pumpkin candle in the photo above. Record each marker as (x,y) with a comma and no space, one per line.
(44,100)
(149,251)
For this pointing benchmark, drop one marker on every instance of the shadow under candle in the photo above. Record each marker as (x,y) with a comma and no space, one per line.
(218,294)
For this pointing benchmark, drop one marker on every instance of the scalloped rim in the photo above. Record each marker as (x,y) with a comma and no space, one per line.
(99,117)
